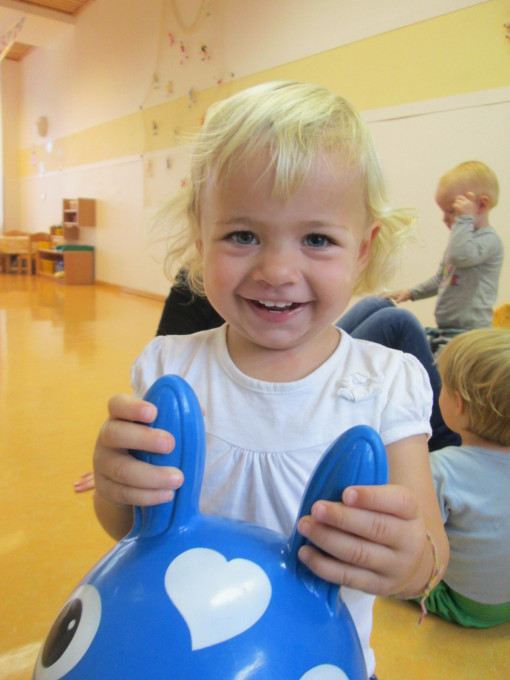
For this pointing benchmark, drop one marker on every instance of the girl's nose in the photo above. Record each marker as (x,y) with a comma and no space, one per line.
(277,268)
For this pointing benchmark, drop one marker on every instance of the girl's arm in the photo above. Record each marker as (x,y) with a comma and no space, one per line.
(376,539)
(121,480)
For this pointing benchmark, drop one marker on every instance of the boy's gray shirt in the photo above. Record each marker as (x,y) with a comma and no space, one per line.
(466,282)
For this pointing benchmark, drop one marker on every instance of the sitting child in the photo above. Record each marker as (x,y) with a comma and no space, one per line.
(472,481)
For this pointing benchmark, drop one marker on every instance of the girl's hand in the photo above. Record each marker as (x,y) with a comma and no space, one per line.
(374,541)
(121,480)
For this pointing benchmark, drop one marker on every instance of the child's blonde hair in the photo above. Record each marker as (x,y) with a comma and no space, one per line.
(473,176)
(476,364)
(297,123)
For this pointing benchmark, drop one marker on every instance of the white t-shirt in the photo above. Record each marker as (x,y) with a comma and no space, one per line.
(264,439)
(473,487)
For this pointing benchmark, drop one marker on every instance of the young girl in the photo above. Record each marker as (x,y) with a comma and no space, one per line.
(284,218)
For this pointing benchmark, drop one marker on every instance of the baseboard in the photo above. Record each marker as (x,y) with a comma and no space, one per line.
(131,291)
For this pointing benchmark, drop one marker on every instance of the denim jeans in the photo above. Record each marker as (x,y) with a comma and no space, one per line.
(380,320)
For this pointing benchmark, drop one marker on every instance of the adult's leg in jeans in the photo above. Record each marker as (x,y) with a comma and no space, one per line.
(362,310)
(397,328)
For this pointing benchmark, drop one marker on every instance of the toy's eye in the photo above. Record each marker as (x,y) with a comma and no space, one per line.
(71,635)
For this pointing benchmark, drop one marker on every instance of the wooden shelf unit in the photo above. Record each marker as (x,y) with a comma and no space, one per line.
(69,267)
(76,213)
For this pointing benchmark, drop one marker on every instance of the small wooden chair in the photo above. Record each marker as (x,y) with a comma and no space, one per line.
(18,250)
(35,239)
(15,250)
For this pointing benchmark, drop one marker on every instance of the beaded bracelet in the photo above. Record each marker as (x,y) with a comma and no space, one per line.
(437,572)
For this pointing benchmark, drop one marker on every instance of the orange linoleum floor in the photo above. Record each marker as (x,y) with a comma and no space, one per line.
(63,352)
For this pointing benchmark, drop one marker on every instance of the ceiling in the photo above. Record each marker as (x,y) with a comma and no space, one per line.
(44,20)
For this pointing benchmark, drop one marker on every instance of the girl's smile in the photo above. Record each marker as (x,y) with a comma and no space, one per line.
(275,311)
(281,270)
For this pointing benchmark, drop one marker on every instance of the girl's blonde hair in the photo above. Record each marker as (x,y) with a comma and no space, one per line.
(476,364)
(473,176)
(296,123)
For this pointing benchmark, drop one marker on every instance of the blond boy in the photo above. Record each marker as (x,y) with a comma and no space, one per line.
(466,281)
(472,480)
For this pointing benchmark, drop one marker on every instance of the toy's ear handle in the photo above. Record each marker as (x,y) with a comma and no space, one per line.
(180,414)
(357,457)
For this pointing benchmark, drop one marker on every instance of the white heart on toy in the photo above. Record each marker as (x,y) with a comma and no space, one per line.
(324,672)
(217,599)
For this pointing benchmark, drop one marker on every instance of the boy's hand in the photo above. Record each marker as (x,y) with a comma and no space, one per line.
(373,541)
(398,296)
(120,478)
(465,205)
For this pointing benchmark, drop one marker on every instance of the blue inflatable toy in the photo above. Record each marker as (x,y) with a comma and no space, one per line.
(187,596)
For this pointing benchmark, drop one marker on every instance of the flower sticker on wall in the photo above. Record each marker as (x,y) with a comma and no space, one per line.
(184,53)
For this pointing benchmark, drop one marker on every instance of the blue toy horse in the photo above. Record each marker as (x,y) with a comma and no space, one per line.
(193,597)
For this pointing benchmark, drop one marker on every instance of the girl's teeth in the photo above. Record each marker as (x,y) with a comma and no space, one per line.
(279,305)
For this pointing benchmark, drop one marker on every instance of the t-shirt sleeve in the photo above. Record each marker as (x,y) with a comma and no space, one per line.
(409,402)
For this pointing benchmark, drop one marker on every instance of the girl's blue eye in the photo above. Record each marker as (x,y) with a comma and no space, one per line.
(317,240)
(243,238)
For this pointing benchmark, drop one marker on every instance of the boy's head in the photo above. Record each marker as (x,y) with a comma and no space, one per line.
(296,124)
(470,177)
(476,367)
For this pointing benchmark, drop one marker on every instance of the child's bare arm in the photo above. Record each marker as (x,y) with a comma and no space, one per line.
(376,540)
(121,480)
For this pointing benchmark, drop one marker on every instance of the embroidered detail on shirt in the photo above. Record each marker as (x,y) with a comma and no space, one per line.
(359,387)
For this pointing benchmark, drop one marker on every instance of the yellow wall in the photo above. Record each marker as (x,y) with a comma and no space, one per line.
(457,53)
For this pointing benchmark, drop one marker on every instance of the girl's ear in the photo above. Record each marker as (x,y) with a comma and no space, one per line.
(366,245)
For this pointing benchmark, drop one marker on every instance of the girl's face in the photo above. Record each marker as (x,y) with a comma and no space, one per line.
(281,272)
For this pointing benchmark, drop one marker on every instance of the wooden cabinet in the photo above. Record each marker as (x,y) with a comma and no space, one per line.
(70,263)
(77,212)
(70,266)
